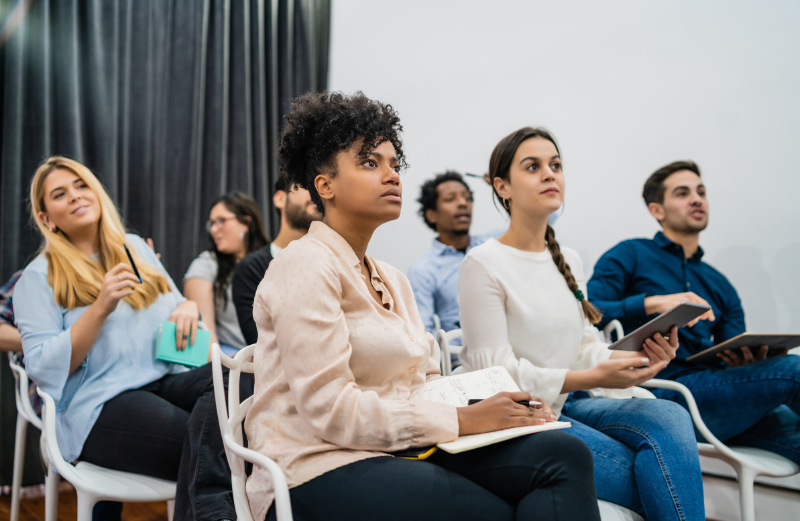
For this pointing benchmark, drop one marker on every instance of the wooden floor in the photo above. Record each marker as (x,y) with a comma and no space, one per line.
(32,509)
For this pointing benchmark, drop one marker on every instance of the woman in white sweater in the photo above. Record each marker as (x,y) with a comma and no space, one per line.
(523,306)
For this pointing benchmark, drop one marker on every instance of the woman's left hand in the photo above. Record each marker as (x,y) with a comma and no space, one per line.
(185,317)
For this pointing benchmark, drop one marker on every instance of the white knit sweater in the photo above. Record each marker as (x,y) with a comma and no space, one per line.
(517,311)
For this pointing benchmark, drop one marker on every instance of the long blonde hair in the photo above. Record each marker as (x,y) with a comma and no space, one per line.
(76,278)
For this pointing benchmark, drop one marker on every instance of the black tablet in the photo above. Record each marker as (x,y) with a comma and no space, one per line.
(774,341)
(679,316)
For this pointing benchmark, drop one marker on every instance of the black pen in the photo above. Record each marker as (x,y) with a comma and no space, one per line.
(133,265)
(526,403)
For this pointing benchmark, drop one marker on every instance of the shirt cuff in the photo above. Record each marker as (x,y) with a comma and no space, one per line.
(634,307)
(434,423)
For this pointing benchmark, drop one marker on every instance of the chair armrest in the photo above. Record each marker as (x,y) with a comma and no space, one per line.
(444,348)
(51,443)
(695,413)
(283,507)
(615,326)
(21,391)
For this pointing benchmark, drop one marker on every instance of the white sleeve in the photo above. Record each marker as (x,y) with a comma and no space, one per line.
(482,303)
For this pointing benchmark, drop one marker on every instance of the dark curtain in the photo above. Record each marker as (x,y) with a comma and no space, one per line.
(169,102)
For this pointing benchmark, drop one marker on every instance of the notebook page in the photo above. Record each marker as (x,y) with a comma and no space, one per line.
(457,389)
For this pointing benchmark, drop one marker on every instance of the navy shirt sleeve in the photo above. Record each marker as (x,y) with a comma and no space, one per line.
(246,278)
(609,283)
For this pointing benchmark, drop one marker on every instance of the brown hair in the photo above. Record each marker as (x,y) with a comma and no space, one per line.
(654,186)
(500,166)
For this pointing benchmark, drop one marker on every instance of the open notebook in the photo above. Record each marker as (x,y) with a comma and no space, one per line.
(457,389)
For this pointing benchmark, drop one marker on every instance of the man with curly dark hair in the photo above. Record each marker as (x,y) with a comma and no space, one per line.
(446,207)
(341,351)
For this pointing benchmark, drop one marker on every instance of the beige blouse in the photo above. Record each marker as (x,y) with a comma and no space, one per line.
(335,370)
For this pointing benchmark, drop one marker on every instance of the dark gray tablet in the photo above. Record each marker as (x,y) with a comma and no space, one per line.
(774,341)
(679,316)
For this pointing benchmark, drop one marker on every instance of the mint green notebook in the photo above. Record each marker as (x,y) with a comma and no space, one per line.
(194,355)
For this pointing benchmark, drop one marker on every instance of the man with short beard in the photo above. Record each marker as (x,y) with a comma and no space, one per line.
(748,397)
(297,213)
(446,207)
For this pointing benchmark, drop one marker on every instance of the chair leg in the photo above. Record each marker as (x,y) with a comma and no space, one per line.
(19,459)
(86,503)
(747,494)
(51,482)
(170,509)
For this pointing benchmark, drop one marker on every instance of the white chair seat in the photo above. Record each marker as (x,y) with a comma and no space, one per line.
(777,470)
(117,484)
(612,512)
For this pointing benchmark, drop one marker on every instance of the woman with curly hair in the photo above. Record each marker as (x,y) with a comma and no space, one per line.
(342,350)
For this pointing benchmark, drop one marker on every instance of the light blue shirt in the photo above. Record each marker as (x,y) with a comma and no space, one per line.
(434,279)
(122,357)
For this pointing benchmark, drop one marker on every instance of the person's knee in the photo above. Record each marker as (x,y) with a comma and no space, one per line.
(568,451)
(667,417)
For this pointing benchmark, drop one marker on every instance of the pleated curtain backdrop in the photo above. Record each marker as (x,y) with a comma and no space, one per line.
(169,102)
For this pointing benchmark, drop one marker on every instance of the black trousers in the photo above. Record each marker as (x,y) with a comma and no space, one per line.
(547,476)
(168,429)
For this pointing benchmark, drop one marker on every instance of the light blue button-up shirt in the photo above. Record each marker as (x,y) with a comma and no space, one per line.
(434,279)
(122,357)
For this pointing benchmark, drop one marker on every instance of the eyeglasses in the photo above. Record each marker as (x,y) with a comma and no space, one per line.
(219,221)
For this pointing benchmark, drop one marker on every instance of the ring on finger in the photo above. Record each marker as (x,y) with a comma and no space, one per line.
(119,277)
(186,337)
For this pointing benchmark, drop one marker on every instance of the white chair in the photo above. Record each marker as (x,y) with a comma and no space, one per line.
(443,339)
(25,415)
(608,511)
(94,483)
(749,463)
(437,323)
(230,424)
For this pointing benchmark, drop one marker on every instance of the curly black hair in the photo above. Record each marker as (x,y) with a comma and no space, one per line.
(322,124)
(428,193)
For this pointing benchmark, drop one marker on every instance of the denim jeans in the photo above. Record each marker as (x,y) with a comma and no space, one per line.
(645,454)
(756,405)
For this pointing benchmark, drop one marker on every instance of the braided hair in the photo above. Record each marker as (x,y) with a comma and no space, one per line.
(500,166)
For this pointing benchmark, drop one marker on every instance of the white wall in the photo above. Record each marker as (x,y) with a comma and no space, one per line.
(626,86)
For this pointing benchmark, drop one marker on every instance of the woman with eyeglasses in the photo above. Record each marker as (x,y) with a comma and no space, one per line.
(235,229)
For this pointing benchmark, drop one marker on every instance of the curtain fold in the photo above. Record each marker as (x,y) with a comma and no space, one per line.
(169,102)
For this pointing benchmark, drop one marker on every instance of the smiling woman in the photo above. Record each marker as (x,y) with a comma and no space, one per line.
(89,329)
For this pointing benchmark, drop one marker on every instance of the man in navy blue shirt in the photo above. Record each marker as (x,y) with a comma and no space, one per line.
(747,398)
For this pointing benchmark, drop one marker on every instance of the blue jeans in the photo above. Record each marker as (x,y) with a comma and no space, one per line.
(756,405)
(228,350)
(645,454)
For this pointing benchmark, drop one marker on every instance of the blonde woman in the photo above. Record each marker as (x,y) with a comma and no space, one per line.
(89,328)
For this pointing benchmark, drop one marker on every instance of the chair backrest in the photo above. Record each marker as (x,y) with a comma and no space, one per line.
(443,338)
(614,326)
(21,397)
(230,424)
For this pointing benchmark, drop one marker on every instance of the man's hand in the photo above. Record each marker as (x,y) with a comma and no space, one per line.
(661,303)
(746,357)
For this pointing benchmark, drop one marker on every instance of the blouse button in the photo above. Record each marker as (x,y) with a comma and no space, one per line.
(412,369)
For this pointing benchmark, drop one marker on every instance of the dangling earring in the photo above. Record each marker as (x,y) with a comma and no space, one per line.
(241,235)
(505,204)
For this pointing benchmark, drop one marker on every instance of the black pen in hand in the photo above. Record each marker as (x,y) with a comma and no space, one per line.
(526,403)
(133,265)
